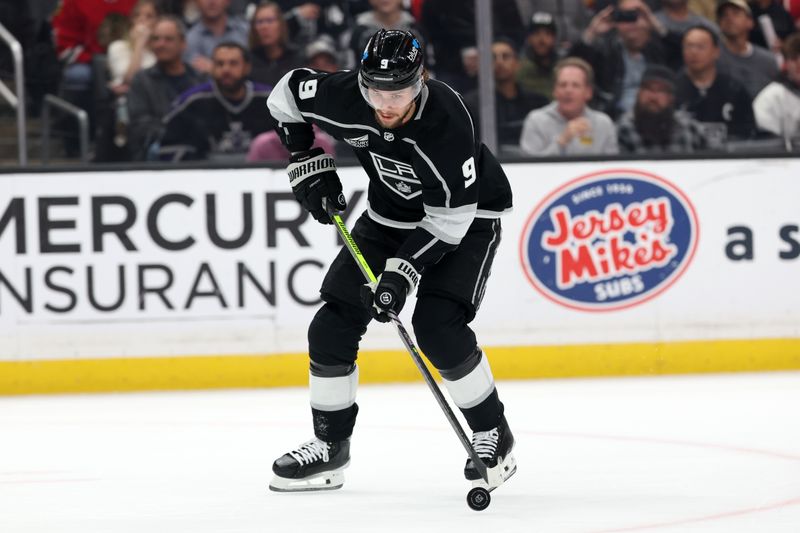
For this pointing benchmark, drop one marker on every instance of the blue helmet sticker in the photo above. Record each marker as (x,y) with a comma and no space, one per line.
(609,240)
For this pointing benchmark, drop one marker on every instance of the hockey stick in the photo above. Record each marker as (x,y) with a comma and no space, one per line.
(352,247)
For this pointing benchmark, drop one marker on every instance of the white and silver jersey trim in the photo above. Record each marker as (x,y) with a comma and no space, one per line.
(448,224)
(341,124)
(281,103)
(422,101)
(485,213)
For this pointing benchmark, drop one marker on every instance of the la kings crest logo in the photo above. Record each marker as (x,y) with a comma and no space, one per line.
(397,176)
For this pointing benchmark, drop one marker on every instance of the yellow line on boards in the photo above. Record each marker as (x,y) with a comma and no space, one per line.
(518,362)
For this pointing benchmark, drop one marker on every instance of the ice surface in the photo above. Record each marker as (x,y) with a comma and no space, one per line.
(672,454)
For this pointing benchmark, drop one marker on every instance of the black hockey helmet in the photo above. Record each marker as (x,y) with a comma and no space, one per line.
(391,61)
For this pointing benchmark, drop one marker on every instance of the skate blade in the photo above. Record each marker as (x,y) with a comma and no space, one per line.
(324,481)
(499,474)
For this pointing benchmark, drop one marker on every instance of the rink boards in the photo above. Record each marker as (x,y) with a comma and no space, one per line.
(208,278)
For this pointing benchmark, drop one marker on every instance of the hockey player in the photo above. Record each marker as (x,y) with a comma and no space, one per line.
(432,223)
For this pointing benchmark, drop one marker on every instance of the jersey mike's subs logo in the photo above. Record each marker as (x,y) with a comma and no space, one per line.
(609,240)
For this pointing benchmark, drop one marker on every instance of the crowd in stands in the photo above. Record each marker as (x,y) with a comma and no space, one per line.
(187,79)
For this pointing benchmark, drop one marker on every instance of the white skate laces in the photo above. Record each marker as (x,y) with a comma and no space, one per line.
(485,443)
(310,452)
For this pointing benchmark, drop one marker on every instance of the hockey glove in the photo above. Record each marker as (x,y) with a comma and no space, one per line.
(315,184)
(389,291)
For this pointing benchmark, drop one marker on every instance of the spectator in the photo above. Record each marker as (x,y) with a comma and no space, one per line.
(599,5)
(568,126)
(539,55)
(622,55)
(269,45)
(322,55)
(676,16)
(777,107)
(214,27)
(387,14)
(752,66)
(781,20)
(654,126)
(76,25)
(153,89)
(219,118)
(705,8)
(570,17)
(308,20)
(512,102)
(186,10)
(710,96)
(450,28)
(267,146)
(114,27)
(128,56)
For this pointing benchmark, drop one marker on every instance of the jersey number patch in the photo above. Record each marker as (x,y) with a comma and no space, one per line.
(307,89)
(468,169)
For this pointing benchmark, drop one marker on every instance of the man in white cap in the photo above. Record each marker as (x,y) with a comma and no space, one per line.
(753,66)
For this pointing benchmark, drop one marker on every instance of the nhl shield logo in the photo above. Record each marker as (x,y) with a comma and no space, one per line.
(609,240)
(388,135)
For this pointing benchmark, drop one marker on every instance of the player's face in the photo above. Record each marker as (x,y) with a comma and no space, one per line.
(391,107)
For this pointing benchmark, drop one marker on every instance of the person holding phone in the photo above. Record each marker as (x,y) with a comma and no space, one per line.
(621,42)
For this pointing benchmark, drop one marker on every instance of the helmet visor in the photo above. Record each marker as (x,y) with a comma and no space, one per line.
(380,99)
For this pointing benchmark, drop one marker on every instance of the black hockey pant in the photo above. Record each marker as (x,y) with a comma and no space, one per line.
(441,330)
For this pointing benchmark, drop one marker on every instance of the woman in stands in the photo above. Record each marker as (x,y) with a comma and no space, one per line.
(126,57)
(269,43)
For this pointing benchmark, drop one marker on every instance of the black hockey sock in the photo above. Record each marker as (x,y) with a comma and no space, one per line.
(486,415)
(332,426)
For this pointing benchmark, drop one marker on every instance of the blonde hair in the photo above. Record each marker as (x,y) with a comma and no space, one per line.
(577,63)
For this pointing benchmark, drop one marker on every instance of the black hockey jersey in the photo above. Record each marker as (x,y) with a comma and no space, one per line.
(203,122)
(429,175)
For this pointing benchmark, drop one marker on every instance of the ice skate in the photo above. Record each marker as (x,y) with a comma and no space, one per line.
(315,465)
(494,448)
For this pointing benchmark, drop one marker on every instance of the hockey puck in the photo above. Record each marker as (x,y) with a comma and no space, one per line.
(478,499)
